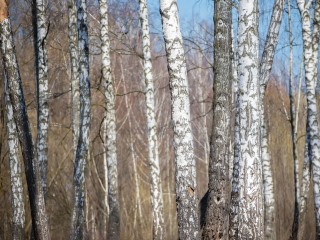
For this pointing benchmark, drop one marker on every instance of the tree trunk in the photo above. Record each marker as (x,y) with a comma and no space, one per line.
(250,221)
(155,176)
(83,143)
(186,186)
(312,114)
(295,225)
(265,70)
(217,213)
(40,31)
(36,197)
(17,203)
(110,127)
(74,60)
(305,186)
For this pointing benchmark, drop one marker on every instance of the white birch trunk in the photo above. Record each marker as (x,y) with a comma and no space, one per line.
(216,224)
(186,186)
(36,196)
(110,127)
(74,60)
(17,203)
(265,70)
(247,200)
(305,186)
(312,114)
(40,29)
(234,160)
(154,164)
(78,228)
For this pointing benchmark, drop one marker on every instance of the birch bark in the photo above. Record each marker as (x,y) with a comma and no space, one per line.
(265,70)
(110,127)
(40,31)
(186,186)
(155,177)
(74,60)
(250,206)
(217,212)
(78,228)
(311,63)
(17,203)
(234,204)
(305,186)
(36,197)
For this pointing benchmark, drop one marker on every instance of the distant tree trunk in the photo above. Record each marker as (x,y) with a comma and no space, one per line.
(216,224)
(17,203)
(74,59)
(83,143)
(310,65)
(36,197)
(186,186)
(110,127)
(295,225)
(155,176)
(40,31)
(265,70)
(249,204)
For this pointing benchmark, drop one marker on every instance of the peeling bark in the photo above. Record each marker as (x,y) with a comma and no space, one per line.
(110,127)
(186,186)
(155,176)
(78,228)
(36,196)
(216,224)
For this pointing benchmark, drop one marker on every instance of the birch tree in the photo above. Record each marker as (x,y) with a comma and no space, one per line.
(265,70)
(110,127)
(73,53)
(17,203)
(40,31)
(15,92)
(83,142)
(155,177)
(216,224)
(186,186)
(305,186)
(310,55)
(249,206)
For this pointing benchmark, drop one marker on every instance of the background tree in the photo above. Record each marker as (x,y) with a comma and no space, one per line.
(110,127)
(265,71)
(155,177)
(78,231)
